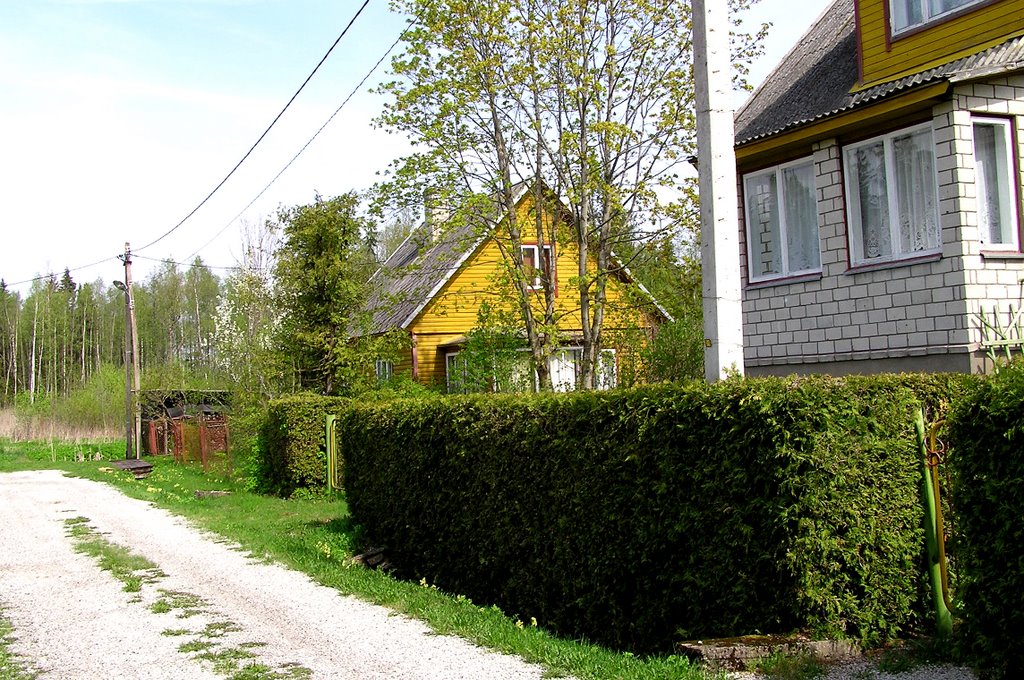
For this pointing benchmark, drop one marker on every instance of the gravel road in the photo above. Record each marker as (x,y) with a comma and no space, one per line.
(73,620)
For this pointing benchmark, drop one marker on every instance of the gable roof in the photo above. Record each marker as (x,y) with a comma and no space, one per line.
(421,266)
(814,80)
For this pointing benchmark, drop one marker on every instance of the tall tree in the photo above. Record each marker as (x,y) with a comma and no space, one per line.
(248,317)
(323,263)
(591,101)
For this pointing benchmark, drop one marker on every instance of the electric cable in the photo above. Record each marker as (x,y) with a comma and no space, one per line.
(305,146)
(265,132)
(184,264)
(70,269)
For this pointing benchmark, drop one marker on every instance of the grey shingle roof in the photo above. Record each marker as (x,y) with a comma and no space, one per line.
(811,81)
(814,80)
(419,267)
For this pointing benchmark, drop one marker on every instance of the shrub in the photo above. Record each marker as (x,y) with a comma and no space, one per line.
(987,437)
(639,517)
(290,455)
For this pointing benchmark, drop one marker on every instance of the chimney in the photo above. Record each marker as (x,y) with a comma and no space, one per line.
(436,214)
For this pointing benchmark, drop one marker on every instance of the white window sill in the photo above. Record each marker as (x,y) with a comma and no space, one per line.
(893,264)
(1002,255)
(783,280)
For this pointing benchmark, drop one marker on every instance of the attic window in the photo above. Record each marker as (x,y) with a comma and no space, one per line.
(908,14)
(531,265)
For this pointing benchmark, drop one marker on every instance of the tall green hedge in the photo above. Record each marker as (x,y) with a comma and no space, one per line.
(641,517)
(291,444)
(987,456)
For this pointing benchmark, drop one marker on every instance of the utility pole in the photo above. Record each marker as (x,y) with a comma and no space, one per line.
(716,169)
(133,407)
(128,420)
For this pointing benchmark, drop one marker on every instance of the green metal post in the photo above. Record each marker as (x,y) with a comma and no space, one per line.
(331,444)
(943,618)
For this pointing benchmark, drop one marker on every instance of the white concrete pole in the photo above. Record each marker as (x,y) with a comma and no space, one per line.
(720,254)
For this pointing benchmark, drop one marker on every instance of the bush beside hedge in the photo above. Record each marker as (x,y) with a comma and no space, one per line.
(987,458)
(291,445)
(637,518)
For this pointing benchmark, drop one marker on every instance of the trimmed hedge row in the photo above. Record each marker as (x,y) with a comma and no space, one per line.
(987,459)
(291,445)
(637,518)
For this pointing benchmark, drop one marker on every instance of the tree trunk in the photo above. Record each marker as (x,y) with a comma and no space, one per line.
(32,357)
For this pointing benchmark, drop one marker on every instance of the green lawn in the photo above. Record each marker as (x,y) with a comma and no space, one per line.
(316,537)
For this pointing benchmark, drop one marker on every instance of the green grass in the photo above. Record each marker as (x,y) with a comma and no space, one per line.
(781,666)
(315,536)
(12,667)
(127,567)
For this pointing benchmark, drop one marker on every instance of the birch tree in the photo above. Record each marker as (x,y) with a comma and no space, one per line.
(588,101)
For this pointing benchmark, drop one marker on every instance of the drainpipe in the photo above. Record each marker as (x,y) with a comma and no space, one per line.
(932,527)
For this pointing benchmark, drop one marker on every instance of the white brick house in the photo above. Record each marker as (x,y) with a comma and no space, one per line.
(880,173)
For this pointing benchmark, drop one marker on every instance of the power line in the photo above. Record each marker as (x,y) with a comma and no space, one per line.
(70,269)
(185,264)
(306,145)
(265,132)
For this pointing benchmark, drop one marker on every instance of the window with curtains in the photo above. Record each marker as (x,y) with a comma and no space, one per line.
(892,197)
(908,14)
(782,221)
(995,179)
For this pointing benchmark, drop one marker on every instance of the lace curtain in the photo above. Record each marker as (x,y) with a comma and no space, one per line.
(802,247)
(918,219)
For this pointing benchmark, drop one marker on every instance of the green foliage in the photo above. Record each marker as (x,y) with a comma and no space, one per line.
(323,264)
(546,93)
(987,433)
(99,402)
(790,667)
(493,358)
(291,456)
(639,517)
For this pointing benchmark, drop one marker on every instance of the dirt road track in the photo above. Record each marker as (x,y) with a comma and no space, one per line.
(73,620)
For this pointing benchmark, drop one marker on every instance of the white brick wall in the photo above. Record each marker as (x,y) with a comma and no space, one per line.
(900,310)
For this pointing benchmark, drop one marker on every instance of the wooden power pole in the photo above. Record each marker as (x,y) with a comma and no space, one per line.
(133,406)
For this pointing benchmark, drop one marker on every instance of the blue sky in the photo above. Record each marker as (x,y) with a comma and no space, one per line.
(117,117)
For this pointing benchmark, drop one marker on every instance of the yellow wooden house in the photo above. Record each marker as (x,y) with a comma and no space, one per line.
(880,171)
(435,284)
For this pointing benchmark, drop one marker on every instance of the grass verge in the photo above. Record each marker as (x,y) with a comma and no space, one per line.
(12,666)
(315,536)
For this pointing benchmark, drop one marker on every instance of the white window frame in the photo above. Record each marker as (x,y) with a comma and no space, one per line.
(784,227)
(385,369)
(602,380)
(927,13)
(854,228)
(459,386)
(549,251)
(1010,179)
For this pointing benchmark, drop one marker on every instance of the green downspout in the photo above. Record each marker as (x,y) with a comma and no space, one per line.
(943,618)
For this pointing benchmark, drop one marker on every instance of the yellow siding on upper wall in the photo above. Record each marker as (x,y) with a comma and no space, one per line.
(931,45)
(453,312)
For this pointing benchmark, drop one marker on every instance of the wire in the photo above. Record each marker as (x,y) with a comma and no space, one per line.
(184,264)
(265,132)
(305,146)
(70,269)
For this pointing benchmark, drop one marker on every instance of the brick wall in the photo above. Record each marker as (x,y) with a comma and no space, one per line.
(898,315)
